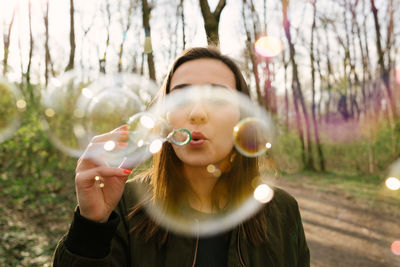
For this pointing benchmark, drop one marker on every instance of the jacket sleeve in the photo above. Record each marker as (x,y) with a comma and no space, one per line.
(88,243)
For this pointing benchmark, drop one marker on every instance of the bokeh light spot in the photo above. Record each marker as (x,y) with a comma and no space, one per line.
(109,145)
(211,168)
(392,183)
(49,112)
(268,46)
(147,122)
(155,146)
(21,104)
(396,247)
(263,193)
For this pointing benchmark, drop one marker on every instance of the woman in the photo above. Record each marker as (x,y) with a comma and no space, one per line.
(110,227)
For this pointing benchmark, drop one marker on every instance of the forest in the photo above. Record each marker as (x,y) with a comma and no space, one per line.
(329,76)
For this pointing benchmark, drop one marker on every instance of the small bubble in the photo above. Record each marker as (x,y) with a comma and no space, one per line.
(155,146)
(392,183)
(263,193)
(396,247)
(109,145)
(21,104)
(211,168)
(147,122)
(49,112)
(251,137)
(268,46)
(87,93)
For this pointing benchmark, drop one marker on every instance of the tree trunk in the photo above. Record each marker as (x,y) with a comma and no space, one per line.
(183,24)
(211,20)
(384,70)
(146,10)
(297,93)
(7,40)
(250,39)
(71,37)
(314,119)
(124,33)
(28,70)
(48,62)
(103,60)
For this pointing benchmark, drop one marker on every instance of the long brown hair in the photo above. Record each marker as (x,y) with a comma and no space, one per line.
(168,186)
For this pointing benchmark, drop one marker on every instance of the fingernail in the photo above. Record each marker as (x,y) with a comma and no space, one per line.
(124,133)
(122,143)
(127,171)
(124,127)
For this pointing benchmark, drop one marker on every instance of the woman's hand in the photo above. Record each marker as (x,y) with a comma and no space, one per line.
(96,201)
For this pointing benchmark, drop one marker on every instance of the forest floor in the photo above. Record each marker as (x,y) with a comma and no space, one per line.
(341,229)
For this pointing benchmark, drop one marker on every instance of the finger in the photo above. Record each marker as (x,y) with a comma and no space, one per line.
(102,171)
(116,135)
(131,162)
(100,152)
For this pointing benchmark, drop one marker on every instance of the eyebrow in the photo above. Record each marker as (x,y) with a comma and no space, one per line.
(188,84)
(180,86)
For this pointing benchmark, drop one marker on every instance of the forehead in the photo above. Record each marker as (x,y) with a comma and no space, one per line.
(203,71)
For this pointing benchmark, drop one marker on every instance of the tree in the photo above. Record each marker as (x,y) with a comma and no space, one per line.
(146,10)
(314,119)
(7,40)
(71,36)
(211,20)
(298,94)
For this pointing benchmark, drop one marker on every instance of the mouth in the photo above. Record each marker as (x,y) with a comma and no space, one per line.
(198,139)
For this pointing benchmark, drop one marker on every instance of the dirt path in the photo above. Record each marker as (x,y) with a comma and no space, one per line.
(341,233)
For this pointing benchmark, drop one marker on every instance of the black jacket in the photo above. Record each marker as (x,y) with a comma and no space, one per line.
(286,244)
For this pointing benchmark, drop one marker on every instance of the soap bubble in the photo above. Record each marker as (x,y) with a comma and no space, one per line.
(268,46)
(59,111)
(147,133)
(76,110)
(393,180)
(252,137)
(12,105)
(395,247)
(211,114)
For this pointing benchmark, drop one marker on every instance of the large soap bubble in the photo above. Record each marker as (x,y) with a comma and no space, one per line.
(59,111)
(229,136)
(76,110)
(11,106)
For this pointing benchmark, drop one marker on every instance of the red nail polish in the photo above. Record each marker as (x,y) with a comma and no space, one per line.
(127,171)
(122,143)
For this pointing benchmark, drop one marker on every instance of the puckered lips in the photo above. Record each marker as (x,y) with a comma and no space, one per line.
(198,139)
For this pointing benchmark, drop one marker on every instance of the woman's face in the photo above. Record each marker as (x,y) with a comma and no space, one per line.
(210,121)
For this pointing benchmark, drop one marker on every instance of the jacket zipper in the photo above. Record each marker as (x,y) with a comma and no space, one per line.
(195,250)
(238,248)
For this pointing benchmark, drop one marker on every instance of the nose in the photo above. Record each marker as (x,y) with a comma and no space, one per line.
(198,114)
